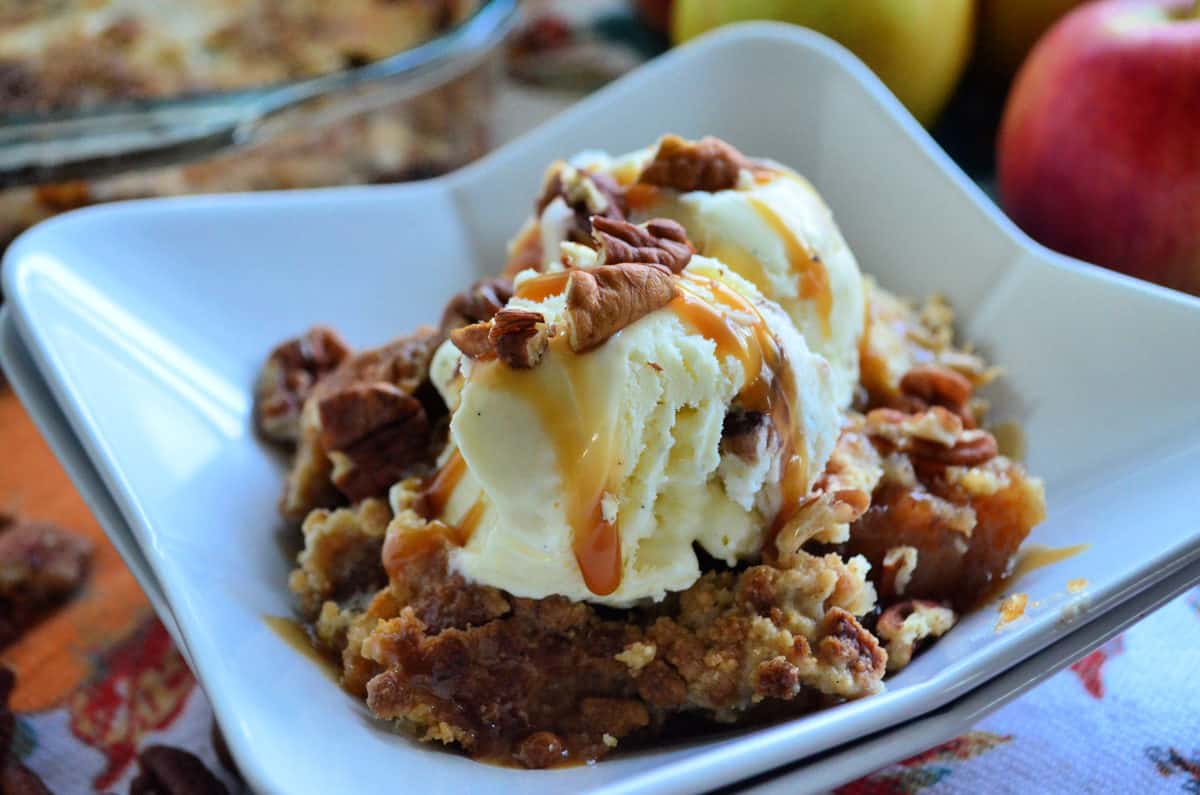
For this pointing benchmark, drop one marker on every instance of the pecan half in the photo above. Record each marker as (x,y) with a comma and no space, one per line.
(476,305)
(709,164)
(602,301)
(349,415)
(971,449)
(165,770)
(520,337)
(928,385)
(288,377)
(376,434)
(659,241)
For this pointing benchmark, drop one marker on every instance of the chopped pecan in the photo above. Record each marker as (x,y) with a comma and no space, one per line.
(40,566)
(476,305)
(848,645)
(937,385)
(602,301)
(288,377)
(587,195)
(970,449)
(777,678)
(659,241)
(376,434)
(475,340)
(905,625)
(165,770)
(709,164)
(928,385)
(520,337)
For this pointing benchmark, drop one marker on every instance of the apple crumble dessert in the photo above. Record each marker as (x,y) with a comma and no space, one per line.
(681,460)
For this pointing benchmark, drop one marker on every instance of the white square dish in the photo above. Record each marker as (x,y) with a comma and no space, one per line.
(149,321)
(819,773)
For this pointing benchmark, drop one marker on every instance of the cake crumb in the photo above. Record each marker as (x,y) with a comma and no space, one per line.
(1012,608)
(1077,585)
(637,655)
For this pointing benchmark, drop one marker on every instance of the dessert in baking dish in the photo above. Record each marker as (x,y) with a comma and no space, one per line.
(65,56)
(682,460)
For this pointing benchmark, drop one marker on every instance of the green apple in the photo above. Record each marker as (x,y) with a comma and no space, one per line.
(917,47)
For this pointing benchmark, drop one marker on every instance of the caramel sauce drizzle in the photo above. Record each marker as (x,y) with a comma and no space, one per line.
(1037,557)
(814,278)
(571,395)
(740,331)
(437,494)
(293,633)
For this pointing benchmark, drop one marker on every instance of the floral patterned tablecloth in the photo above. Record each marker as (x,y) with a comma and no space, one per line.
(100,679)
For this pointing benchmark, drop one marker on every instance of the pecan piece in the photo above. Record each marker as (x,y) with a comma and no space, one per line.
(376,434)
(164,770)
(846,644)
(476,305)
(40,566)
(937,385)
(520,337)
(602,301)
(288,377)
(659,241)
(970,449)
(709,164)
(475,340)
(587,195)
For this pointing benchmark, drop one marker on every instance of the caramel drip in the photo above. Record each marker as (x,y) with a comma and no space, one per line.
(571,396)
(539,288)
(1037,557)
(642,196)
(814,278)
(441,487)
(737,329)
(293,633)
(407,545)
(470,519)
(742,262)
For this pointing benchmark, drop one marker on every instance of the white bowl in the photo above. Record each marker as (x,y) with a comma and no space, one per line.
(148,321)
(820,773)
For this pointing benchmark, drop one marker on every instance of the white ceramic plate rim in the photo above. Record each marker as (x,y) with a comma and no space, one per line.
(757,750)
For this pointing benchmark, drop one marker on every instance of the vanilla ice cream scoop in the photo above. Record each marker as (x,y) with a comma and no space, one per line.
(769,225)
(592,474)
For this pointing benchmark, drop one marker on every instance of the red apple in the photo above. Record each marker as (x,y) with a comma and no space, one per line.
(1099,149)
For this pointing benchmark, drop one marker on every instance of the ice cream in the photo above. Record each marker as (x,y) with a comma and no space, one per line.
(770,226)
(592,474)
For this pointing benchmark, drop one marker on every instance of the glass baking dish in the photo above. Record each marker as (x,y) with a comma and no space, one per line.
(380,117)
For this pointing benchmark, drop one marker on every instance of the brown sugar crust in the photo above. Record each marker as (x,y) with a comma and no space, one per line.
(477,667)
